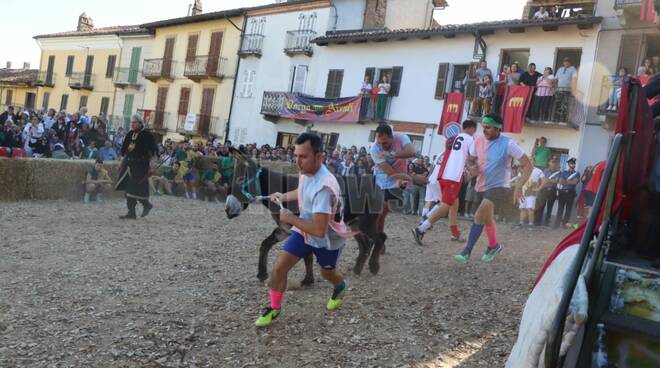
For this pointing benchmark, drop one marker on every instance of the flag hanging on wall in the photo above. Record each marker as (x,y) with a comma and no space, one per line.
(515,105)
(648,13)
(452,110)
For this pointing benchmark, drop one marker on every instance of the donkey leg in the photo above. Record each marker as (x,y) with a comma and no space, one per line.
(309,271)
(374,260)
(276,236)
(363,248)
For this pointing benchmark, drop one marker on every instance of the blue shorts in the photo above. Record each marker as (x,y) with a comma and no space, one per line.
(190,176)
(295,245)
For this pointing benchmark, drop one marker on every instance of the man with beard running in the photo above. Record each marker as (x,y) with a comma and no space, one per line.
(493,154)
(450,177)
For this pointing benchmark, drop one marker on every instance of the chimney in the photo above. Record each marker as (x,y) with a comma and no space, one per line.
(374,15)
(197,8)
(26,66)
(9,65)
(85,23)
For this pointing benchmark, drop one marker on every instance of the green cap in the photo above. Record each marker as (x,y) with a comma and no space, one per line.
(490,121)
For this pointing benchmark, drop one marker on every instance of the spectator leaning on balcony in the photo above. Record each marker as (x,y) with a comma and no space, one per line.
(642,75)
(544,95)
(541,14)
(556,12)
(383,93)
(483,71)
(566,80)
(365,92)
(513,77)
(615,89)
(530,77)
(482,101)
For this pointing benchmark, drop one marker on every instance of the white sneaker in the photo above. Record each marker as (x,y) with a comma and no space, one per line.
(99,198)
(86,198)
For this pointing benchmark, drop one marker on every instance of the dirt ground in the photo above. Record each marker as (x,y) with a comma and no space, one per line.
(79,288)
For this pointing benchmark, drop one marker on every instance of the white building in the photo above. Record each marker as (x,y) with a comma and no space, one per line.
(129,82)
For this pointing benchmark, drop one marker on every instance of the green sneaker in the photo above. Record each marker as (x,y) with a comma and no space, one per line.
(490,253)
(462,258)
(267,317)
(336,299)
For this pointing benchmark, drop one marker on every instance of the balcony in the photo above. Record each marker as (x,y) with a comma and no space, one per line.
(298,42)
(154,119)
(205,67)
(156,69)
(81,81)
(622,4)
(252,45)
(202,126)
(127,78)
(44,79)
(569,113)
(370,111)
(114,122)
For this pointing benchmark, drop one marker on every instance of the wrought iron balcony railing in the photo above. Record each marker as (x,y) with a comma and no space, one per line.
(44,79)
(81,81)
(252,45)
(155,69)
(620,4)
(155,119)
(127,78)
(206,67)
(299,42)
(203,125)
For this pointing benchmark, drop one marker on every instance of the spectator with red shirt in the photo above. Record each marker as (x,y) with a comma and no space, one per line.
(591,188)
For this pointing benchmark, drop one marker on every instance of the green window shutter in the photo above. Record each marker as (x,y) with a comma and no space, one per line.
(135,64)
(128,105)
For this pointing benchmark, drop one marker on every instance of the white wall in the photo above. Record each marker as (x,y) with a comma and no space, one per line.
(128,43)
(408,14)
(350,15)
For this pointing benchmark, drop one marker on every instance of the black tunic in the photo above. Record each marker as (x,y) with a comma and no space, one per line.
(137,150)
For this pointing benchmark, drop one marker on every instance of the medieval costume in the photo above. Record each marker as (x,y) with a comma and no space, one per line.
(137,151)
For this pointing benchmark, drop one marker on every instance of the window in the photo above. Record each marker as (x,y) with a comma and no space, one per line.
(333,88)
(105,102)
(394,73)
(184,100)
(110,69)
(514,56)
(64,102)
(69,65)
(457,77)
(299,79)
(191,51)
(395,80)
(247,88)
(417,141)
(635,48)
(44,103)
(83,102)
(30,100)
(441,81)
(257,26)
(286,140)
(575,55)
(49,69)
(9,96)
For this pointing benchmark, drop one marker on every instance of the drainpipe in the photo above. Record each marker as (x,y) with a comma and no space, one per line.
(334,27)
(233,90)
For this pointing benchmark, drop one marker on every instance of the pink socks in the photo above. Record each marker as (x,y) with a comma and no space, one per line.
(491,233)
(276,299)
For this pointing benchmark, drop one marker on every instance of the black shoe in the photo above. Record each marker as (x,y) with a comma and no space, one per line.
(146,209)
(418,236)
(128,216)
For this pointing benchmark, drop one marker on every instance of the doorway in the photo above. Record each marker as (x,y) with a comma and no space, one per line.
(515,56)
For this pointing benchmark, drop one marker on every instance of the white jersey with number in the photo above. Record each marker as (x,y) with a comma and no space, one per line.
(458,156)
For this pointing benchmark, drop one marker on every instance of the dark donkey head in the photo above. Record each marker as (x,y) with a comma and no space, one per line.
(245,186)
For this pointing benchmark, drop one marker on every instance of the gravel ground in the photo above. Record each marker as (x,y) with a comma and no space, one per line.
(79,288)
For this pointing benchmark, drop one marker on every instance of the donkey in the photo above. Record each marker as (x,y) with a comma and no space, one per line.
(362,204)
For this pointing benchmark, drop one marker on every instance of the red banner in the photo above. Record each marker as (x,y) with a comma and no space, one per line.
(648,13)
(515,105)
(452,110)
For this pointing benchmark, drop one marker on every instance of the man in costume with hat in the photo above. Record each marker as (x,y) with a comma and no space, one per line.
(137,151)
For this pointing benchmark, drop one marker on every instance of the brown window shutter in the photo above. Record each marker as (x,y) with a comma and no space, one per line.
(395,82)
(333,88)
(191,52)
(371,73)
(630,52)
(471,89)
(184,99)
(441,83)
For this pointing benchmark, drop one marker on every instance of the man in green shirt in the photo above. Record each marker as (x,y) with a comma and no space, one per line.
(226,167)
(97,181)
(541,153)
(211,184)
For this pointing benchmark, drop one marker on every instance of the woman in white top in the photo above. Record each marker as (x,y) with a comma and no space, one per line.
(383,92)
(365,91)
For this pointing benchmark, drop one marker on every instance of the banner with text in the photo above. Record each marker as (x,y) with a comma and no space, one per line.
(321,109)
(515,105)
(452,110)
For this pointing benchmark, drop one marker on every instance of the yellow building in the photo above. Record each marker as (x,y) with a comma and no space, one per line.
(191,70)
(18,88)
(78,67)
